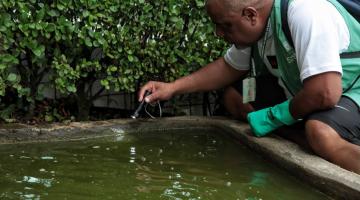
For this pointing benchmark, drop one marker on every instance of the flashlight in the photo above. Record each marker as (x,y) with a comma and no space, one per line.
(141,105)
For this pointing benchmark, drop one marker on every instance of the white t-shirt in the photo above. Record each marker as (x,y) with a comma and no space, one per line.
(319,33)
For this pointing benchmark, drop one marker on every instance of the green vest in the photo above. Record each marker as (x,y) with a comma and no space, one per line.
(285,55)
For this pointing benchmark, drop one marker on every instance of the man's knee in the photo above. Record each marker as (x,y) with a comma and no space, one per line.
(314,131)
(322,138)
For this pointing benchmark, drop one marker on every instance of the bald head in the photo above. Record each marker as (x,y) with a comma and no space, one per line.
(239,22)
(237,5)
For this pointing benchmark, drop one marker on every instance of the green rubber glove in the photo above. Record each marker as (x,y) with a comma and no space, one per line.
(266,120)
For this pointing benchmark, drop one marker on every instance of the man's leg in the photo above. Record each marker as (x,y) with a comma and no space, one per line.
(335,134)
(268,93)
(327,143)
(233,103)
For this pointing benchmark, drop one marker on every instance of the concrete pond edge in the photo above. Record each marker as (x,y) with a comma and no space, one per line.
(334,181)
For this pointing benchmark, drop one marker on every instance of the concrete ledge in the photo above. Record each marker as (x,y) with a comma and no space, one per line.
(327,177)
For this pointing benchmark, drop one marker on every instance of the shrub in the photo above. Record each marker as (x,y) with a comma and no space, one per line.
(122,43)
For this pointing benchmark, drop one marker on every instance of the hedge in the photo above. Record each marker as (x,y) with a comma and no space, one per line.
(122,43)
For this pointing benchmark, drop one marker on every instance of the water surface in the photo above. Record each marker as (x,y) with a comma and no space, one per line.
(194,164)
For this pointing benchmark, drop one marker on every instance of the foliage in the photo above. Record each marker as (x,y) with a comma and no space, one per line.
(122,43)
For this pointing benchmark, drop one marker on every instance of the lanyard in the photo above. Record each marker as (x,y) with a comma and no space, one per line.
(265,39)
(262,53)
(252,64)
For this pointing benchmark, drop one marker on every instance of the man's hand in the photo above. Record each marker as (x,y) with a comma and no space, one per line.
(266,120)
(159,91)
(213,76)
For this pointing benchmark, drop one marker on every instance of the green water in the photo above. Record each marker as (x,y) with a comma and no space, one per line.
(191,165)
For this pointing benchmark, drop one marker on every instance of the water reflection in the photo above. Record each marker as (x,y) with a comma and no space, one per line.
(35,180)
(132,154)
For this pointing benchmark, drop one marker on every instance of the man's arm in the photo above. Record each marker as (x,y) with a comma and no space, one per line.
(319,38)
(212,76)
(319,92)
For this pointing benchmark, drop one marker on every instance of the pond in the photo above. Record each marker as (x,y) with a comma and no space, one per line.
(193,164)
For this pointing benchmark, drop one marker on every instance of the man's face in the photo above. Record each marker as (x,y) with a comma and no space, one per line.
(241,29)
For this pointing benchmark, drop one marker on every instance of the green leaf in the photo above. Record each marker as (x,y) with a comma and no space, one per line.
(12,77)
(174,19)
(130,58)
(60,6)
(113,8)
(53,13)
(127,71)
(88,42)
(9,59)
(86,13)
(40,14)
(7,20)
(104,82)
(200,3)
(71,88)
(51,27)
(2,28)
(39,50)
(113,69)
(49,118)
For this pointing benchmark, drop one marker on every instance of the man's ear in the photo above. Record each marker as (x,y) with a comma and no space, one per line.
(251,14)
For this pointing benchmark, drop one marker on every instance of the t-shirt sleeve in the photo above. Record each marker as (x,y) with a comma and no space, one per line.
(320,34)
(238,58)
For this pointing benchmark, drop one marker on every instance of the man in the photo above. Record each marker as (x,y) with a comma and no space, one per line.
(325,88)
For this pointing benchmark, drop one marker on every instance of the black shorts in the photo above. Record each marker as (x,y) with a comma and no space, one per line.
(344,119)
(268,92)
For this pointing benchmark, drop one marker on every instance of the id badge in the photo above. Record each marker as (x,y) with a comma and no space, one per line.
(249,89)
